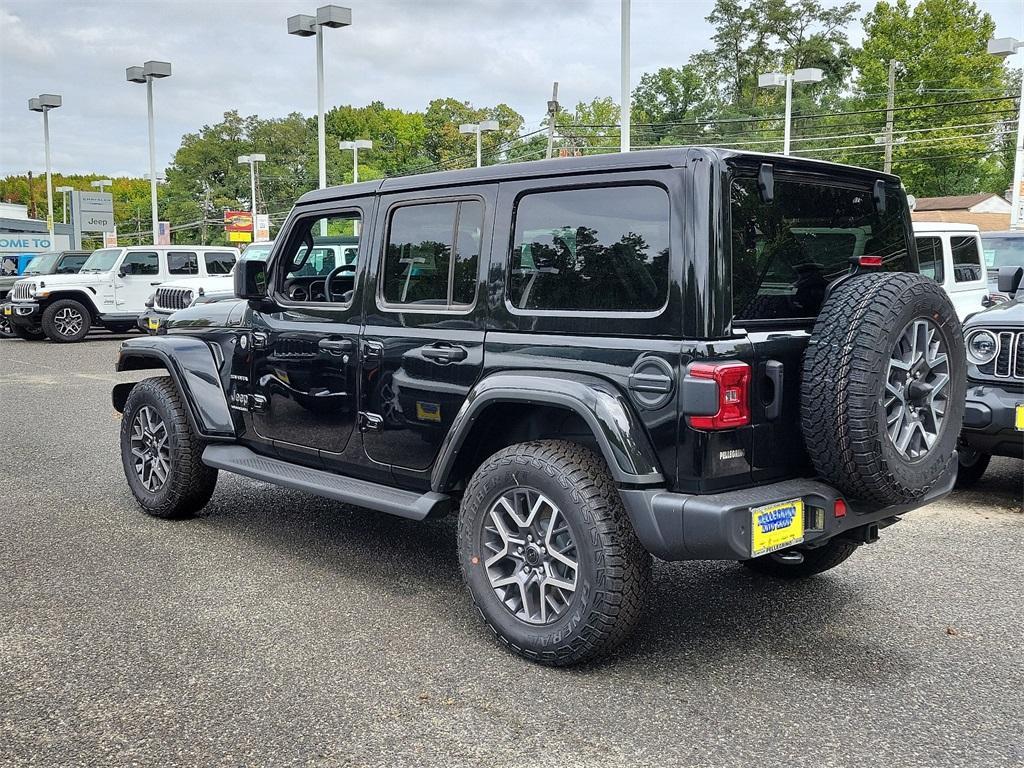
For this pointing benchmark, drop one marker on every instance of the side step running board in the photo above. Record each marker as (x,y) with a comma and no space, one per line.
(382,498)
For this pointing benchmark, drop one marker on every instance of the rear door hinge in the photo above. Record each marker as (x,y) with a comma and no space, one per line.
(370,422)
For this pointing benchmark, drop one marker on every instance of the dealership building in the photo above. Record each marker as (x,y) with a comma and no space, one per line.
(19,235)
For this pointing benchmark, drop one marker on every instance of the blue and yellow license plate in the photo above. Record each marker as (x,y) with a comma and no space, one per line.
(1019,421)
(776,526)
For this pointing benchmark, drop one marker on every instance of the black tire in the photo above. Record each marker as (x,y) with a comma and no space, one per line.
(189,483)
(64,313)
(971,466)
(815,561)
(120,327)
(28,334)
(843,389)
(613,570)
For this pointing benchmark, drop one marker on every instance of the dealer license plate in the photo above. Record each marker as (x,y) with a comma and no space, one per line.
(153,323)
(776,526)
(1019,422)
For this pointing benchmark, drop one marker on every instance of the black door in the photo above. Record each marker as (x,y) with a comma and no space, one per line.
(422,346)
(304,351)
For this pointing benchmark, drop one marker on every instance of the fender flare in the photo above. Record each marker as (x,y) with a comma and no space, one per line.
(618,431)
(195,371)
(81,295)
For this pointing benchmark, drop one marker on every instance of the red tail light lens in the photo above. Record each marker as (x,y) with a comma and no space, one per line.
(733,381)
(870,261)
(840,508)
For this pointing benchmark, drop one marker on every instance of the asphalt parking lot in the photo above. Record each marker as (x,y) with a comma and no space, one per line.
(280,629)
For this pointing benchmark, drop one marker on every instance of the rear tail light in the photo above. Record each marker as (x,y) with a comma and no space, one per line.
(840,508)
(733,380)
(870,261)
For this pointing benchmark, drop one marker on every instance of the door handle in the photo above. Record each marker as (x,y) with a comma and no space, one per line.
(773,370)
(155,283)
(336,346)
(445,353)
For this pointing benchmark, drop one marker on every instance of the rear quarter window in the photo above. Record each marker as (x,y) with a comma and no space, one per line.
(785,253)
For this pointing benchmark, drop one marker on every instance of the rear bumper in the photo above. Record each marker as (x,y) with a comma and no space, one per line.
(990,418)
(676,526)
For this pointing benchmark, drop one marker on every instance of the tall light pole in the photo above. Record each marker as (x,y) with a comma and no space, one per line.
(627,102)
(251,160)
(479,128)
(64,201)
(303,25)
(355,146)
(147,73)
(1003,47)
(780,79)
(44,102)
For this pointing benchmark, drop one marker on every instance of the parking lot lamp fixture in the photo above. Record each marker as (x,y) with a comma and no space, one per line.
(478,129)
(44,102)
(303,25)
(1003,47)
(355,146)
(251,160)
(64,200)
(786,80)
(147,73)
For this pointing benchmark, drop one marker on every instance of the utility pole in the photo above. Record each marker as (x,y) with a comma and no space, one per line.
(552,112)
(889,113)
(31,198)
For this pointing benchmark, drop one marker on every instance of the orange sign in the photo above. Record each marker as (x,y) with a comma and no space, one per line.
(237,221)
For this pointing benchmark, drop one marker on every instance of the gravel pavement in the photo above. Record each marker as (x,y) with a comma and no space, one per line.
(279,629)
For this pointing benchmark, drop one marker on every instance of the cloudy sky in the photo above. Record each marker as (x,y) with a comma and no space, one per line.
(237,55)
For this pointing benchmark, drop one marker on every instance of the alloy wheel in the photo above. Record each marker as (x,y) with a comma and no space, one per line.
(916,389)
(531,562)
(68,321)
(150,449)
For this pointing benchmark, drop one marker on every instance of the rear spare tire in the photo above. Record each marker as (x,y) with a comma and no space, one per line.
(883,387)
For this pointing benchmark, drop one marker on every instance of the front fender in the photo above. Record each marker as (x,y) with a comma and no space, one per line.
(194,369)
(619,433)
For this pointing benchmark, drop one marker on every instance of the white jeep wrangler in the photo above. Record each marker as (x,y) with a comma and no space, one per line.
(111,289)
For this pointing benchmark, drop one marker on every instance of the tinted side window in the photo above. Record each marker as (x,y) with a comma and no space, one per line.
(603,249)
(141,263)
(432,254)
(929,256)
(785,253)
(966,259)
(219,262)
(71,264)
(182,263)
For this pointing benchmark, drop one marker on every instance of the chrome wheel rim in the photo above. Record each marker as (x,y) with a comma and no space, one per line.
(916,389)
(531,558)
(68,321)
(150,452)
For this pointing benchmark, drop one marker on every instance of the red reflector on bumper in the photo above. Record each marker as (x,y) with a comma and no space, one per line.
(840,508)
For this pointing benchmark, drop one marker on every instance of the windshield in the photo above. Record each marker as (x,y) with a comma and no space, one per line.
(102,260)
(42,264)
(1003,251)
(257,252)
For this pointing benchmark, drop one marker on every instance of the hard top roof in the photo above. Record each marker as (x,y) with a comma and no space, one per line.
(567,166)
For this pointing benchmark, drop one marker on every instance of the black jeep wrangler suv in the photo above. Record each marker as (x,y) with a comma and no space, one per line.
(691,354)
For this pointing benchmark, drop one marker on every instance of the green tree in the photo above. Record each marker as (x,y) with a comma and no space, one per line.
(941,49)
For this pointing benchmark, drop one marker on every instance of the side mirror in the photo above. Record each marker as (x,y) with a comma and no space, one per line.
(1009,279)
(121,273)
(251,279)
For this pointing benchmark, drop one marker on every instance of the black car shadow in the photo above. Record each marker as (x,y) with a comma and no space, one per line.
(698,613)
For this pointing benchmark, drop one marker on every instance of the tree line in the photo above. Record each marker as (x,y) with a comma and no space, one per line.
(953,118)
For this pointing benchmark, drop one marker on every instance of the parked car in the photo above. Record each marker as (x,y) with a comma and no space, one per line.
(1002,249)
(51,263)
(950,254)
(994,415)
(691,354)
(110,290)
